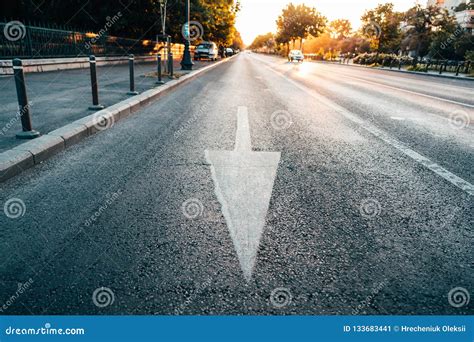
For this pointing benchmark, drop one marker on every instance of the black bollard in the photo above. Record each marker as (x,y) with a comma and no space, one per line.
(94,85)
(441,69)
(458,68)
(131,65)
(24,107)
(159,72)
(466,70)
(170,65)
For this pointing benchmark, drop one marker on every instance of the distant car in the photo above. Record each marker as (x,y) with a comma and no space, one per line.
(295,55)
(229,52)
(206,50)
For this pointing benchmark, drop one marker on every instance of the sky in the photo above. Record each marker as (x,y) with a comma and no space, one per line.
(259,16)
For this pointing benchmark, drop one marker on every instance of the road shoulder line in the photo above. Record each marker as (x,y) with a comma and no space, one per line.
(411,92)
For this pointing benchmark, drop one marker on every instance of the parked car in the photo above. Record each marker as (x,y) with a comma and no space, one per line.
(229,52)
(295,55)
(207,50)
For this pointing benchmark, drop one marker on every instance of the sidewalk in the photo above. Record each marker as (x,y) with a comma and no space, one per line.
(60,97)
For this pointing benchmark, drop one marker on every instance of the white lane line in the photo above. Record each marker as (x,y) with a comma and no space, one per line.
(243,182)
(393,75)
(242,139)
(408,91)
(437,169)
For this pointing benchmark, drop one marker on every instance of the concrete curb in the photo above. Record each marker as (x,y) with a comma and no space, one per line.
(24,156)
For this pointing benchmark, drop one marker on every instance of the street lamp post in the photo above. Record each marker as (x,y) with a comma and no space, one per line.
(186,62)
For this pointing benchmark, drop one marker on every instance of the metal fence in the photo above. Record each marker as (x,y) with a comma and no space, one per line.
(424,65)
(24,41)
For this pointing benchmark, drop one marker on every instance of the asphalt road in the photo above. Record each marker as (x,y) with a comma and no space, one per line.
(370,207)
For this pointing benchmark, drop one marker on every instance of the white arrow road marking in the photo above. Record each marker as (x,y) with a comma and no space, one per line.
(243,184)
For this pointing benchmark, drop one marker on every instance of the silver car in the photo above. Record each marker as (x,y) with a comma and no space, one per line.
(295,55)
(207,50)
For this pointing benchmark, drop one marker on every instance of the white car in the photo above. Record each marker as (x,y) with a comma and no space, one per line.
(207,50)
(295,55)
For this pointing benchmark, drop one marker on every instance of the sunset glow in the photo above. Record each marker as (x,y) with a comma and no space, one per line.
(258,16)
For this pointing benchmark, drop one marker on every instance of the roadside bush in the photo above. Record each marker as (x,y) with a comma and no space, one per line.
(381,59)
(470,56)
(416,68)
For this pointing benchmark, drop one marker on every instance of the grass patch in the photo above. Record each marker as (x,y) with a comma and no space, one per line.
(416,68)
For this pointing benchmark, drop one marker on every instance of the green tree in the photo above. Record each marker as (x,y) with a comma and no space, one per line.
(463,45)
(298,22)
(140,18)
(340,28)
(237,42)
(353,44)
(428,29)
(382,26)
(470,56)
(443,42)
(263,41)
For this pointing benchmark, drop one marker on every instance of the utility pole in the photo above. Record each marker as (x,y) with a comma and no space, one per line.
(163,16)
(164,36)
